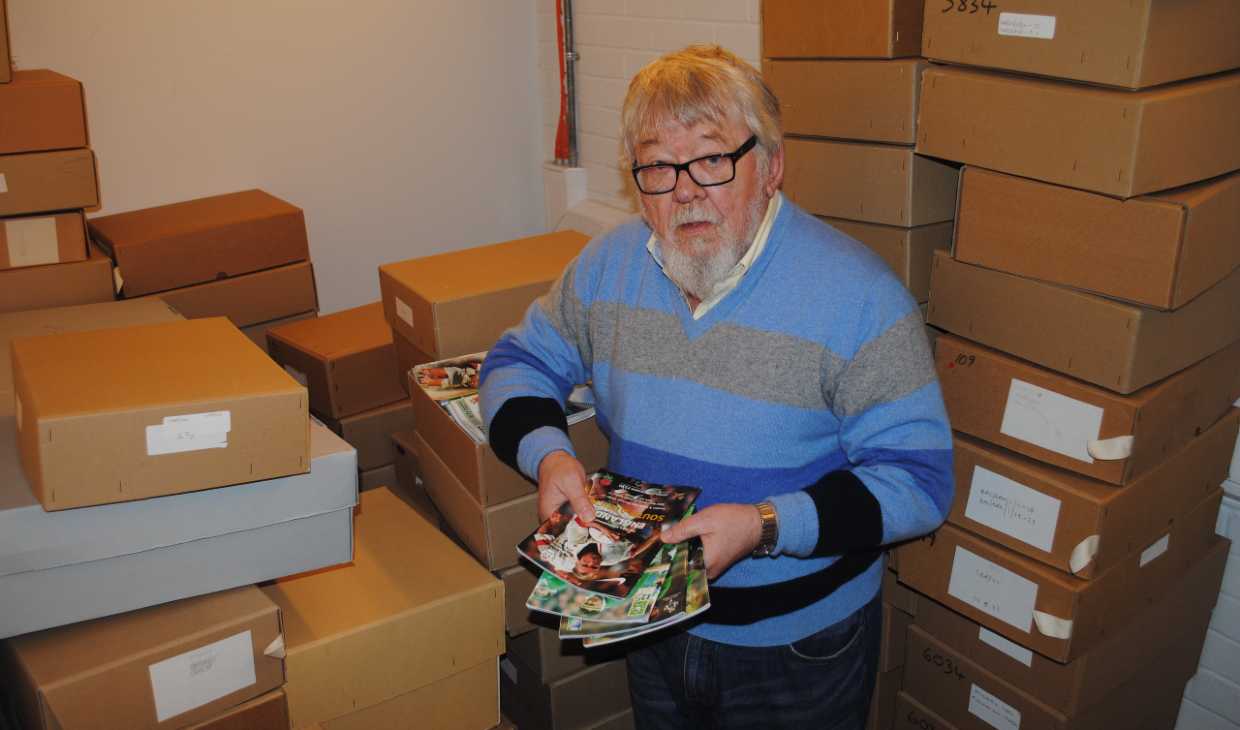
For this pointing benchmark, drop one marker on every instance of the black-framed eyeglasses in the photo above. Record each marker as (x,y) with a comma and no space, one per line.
(708,171)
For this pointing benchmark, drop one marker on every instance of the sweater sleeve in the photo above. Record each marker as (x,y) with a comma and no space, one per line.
(894,431)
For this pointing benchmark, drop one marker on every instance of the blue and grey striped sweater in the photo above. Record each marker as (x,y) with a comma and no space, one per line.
(811,384)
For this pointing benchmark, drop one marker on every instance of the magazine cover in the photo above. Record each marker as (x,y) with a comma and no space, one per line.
(555,596)
(450,378)
(610,554)
(685,594)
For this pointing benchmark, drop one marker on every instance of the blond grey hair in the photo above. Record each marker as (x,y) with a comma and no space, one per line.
(701,83)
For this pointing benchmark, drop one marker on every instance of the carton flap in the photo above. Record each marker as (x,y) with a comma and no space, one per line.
(32,539)
(334,335)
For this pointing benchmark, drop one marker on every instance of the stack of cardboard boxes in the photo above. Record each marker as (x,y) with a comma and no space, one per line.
(1092,298)
(348,363)
(457,304)
(849,76)
(47,178)
(242,255)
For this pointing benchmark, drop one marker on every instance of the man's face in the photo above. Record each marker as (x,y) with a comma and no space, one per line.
(705,231)
(587,565)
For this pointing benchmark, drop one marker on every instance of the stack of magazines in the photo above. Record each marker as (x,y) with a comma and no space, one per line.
(453,384)
(613,578)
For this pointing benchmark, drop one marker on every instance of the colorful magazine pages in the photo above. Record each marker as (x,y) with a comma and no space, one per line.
(450,378)
(609,555)
(685,595)
(633,610)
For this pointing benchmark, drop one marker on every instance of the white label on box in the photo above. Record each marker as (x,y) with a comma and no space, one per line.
(298,375)
(193,679)
(190,432)
(1155,550)
(993,589)
(404,311)
(1012,508)
(32,241)
(1024,25)
(1051,420)
(4,184)
(1005,645)
(992,710)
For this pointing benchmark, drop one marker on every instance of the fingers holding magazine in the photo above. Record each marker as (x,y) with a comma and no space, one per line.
(729,533)
(562,479)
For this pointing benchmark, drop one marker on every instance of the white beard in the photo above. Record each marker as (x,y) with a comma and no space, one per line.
(698,263)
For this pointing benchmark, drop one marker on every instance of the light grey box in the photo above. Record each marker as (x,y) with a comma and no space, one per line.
(62,567)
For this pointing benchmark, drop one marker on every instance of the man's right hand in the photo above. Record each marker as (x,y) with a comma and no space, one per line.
(561,478)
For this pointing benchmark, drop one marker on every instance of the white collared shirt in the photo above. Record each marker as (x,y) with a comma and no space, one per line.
(730,282)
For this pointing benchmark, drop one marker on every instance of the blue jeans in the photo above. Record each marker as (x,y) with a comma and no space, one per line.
(823,681)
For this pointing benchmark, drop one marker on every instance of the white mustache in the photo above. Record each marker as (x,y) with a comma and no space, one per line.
(681,216)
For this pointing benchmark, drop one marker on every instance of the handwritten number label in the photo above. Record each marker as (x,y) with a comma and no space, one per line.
(970,7)
(944,664)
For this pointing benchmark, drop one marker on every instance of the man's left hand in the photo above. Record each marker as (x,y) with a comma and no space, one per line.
(729,532)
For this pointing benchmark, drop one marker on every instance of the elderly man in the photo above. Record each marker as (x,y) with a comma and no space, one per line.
(737,344)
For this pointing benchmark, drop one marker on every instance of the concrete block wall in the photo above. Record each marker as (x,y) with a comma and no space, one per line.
(614,39)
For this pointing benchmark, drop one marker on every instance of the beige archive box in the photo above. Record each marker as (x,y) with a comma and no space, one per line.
(127,413)
(250,299)
(1129,43)
(412,609)
(58,285)
(39,240)
(38,182)
(873,101)
(817,29)
(908,251)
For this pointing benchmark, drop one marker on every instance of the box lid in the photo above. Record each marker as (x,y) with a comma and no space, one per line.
(114,370)
(32,539)
(70,319)
(139,227)
(473,271)
(335,335)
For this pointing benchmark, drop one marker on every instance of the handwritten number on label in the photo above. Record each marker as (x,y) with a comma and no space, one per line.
(945,664)
(970,7)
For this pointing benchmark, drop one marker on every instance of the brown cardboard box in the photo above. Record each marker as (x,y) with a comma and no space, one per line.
(100,420)
(491,532)
(620,721)
(38,182)
(459,302)
(193,241)
(896,593)
(519,581)
(542,651)
(407,355)
(41,110)
(1179,616)
(267,712)
(1050,612)
(873,101)
(468,700)
(908,251)
(370,432)
(1079,525)
(811,28)
(895,626)
(258,332)
(972,698)
(411,609)
(1122,143)
(159,667)
(380,476)
(69,319)
(1051,417)
(913,715)
(1120,346)
(346,359)
(39,240)
(575,701)
(901,188)
(1160,250)
(883,701)
(475,466)
(57,285)
(250,299)
(1114,42)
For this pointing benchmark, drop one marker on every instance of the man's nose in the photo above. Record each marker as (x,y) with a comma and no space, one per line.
(686,190)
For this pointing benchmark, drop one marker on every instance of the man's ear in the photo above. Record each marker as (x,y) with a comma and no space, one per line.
(775,172)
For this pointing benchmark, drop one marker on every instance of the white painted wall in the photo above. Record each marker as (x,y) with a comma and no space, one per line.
(402,127)
(614,39)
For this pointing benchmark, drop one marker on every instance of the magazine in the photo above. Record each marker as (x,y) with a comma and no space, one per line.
(454,377)
(686,593)
(467,413)
(555,596)
(610,554)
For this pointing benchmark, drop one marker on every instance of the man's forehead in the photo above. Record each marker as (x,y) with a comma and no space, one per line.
(664,133)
